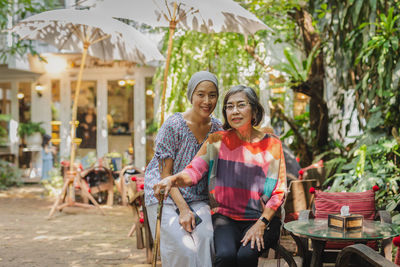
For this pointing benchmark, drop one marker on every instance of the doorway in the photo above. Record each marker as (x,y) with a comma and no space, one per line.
(87,117)
(120,117)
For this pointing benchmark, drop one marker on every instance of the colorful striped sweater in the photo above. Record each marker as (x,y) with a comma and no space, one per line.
(242,177)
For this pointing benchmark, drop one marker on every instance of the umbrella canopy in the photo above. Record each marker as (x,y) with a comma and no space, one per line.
(69,29)
(208,16)
(100,36)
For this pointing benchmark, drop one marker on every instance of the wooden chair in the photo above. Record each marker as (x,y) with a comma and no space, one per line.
(131,184)
(361,255)
(99,179)
(299,198)
(124,181)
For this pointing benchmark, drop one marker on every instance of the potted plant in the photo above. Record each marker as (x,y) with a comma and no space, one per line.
(32,133)
(4,119)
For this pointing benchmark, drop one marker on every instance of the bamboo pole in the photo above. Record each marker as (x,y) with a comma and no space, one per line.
(172,27)
(75,106)
(158,229)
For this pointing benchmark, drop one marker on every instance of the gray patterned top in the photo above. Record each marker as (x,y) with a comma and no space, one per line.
(176,141)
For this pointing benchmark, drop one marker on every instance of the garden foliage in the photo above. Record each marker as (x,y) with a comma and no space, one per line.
(10,175)
(373,159)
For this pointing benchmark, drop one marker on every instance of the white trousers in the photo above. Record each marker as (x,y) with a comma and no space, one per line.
(179,248)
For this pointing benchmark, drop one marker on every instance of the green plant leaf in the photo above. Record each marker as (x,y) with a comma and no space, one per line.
(396,219)
(293,62)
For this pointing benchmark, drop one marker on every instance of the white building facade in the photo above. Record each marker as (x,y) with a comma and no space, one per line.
(43,92)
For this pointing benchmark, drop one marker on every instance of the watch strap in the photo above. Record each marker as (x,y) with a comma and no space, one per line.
(264,220)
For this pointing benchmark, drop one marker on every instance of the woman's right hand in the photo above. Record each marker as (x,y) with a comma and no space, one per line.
(186,219)
(162,188)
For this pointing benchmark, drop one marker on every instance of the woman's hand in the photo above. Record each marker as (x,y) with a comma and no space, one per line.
(162,188)
(186,219)
(255,235)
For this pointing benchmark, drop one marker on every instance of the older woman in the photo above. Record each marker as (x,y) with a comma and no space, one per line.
(245,170)
(183,241)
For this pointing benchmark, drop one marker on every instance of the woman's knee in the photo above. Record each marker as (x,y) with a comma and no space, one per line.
(225,257)
(204,234)
(247,257)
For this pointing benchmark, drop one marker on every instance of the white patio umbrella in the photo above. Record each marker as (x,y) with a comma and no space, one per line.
(208,16)
(92,33)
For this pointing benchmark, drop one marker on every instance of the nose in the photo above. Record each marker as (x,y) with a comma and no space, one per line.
(235,109)
(207,99)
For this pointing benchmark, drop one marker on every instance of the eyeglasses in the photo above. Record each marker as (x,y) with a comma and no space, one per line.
(240,106)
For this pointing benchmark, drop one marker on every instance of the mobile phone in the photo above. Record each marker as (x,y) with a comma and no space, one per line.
(197,219)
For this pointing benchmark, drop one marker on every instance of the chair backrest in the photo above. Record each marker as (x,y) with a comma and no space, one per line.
(298,198)
(97,175)
(361,255)
(362,203)
(132,186)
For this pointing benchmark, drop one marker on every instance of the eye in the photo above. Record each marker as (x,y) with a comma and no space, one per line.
(229,107)
(200,95)
(242,105)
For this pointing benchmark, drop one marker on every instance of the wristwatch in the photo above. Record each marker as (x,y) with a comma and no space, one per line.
(264,220)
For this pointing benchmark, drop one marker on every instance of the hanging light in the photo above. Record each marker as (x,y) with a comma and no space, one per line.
(39,89)
(20,95)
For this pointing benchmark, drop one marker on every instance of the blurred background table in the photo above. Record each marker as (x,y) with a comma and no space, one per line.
(33,173)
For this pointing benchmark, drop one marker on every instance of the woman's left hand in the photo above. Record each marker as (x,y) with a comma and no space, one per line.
(255,235)
(162,188)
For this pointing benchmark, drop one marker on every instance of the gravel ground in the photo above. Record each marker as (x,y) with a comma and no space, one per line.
(74,237)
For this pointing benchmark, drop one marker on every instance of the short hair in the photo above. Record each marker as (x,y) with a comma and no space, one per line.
(256,107)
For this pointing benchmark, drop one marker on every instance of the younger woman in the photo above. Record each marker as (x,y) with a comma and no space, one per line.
(182,242)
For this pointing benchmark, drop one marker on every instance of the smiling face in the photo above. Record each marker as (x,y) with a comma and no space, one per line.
(204,98)
(238,111)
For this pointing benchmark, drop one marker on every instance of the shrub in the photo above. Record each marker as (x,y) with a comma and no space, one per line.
(54,185)
(29,128)
(10,175)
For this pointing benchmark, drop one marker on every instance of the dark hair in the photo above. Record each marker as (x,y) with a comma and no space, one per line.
(45,139)
(254,102)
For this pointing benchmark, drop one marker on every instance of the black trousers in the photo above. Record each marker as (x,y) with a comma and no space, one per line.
(229,251)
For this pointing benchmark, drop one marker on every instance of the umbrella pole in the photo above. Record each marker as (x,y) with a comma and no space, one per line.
(75,107)
(172,27)
(73,176)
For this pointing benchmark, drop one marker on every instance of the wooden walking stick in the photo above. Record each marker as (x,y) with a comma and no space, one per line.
(158,227)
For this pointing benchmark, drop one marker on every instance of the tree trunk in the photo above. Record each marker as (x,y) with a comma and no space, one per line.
(319,120)
(313,87)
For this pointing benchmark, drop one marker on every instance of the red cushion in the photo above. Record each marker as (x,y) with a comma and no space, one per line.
(293,216)
(330,203)
(139,182)
(362,203)
(341,245)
